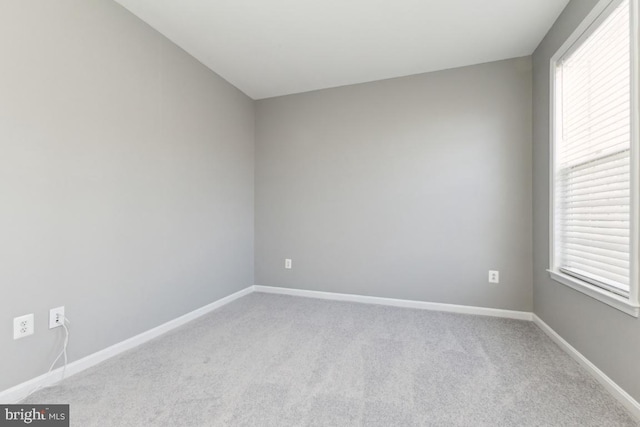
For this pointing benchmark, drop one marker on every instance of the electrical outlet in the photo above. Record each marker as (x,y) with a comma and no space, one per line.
(287,264)
(56,317)
(23,326)
(494,276)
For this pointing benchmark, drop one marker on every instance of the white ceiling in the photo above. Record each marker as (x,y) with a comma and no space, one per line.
(276,47)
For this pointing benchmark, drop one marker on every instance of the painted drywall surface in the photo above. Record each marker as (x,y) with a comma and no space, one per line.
(606,336)
(406,188)
(126,180)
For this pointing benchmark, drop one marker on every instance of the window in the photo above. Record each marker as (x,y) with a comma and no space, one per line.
(594,173)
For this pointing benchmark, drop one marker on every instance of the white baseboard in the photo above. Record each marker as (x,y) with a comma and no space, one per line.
(20,391)
(451,308)
(616,391)
(17,393)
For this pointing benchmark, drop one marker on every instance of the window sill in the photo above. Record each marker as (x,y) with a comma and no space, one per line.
(606,297)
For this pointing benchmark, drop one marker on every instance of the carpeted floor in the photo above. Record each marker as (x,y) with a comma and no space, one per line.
(271,360)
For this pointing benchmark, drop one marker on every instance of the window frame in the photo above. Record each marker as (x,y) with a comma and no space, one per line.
(590,24)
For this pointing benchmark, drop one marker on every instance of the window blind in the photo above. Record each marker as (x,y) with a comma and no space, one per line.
(592,156)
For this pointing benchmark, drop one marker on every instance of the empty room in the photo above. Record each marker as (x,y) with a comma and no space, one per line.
(319,213)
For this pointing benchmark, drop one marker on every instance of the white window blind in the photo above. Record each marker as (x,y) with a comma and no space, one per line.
(592,156)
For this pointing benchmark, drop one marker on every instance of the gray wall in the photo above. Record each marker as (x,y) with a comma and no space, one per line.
(406,188)
(126,179)
(606,336)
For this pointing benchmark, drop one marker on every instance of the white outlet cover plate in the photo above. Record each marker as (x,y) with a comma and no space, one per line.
(287,263)
(494,276)
(23,326)
(56,317)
